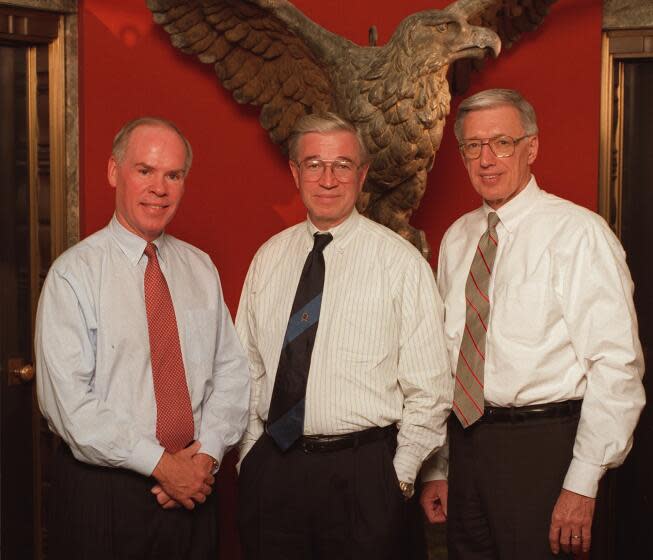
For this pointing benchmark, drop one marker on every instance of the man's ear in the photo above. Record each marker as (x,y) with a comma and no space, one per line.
(363,171)
(294,169)
(533,147)
(112,171)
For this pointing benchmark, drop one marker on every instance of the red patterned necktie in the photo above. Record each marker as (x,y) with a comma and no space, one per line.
(174,414)
(468,398)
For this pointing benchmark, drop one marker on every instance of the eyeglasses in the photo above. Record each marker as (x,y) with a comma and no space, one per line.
(343,170)
(501,146)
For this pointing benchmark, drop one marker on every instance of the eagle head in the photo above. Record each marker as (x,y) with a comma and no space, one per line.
(433,39)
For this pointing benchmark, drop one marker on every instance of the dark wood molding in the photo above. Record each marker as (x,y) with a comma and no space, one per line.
(60,6)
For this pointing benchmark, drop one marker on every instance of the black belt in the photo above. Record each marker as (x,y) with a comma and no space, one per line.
(518,414)
(326,444)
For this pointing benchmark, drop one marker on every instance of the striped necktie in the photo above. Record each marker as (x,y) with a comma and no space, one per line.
(174,413)
(286,417)
(468,401)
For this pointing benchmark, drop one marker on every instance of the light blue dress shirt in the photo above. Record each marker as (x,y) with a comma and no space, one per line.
(94,376)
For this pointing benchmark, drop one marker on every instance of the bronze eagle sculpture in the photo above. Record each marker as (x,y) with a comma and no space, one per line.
(269,54)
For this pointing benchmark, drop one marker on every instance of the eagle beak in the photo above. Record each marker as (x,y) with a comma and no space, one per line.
(475,42)
(478,40)
(485,38)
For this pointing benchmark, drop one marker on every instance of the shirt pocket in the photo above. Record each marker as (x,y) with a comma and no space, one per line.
(523,312)
(367,331)
(199,335)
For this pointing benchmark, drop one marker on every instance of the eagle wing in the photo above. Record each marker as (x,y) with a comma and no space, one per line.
(254,54)
(509,19)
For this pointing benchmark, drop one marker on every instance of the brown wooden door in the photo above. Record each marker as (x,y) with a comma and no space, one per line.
(16,300)
(31,233)
(634,483)
(626,201)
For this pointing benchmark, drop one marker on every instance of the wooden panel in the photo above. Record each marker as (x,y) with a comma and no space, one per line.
(28,26)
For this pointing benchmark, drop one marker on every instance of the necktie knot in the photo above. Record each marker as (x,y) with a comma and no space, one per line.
(150,251)
(492,220)
(321,240)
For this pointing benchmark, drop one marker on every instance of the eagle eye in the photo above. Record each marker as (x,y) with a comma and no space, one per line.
(442,27)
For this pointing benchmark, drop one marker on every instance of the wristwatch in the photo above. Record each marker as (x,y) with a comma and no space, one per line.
(407,489)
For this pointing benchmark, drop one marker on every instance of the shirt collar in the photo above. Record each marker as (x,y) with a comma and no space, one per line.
(342,233)
(132,245)
(514,211)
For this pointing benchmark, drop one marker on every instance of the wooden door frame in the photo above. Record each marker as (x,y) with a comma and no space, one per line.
(52,23)
(619,47)
(64,111)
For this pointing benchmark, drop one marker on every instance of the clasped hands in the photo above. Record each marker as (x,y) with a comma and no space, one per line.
(184,478)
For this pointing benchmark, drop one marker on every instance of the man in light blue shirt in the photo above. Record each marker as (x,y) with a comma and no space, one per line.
(117,491)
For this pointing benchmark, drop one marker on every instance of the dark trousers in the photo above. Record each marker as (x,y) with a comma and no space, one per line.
(504,481)
(332,505)
(98,513)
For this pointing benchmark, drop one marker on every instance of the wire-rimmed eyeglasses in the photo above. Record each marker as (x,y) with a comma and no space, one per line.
(501,146)
(344,170)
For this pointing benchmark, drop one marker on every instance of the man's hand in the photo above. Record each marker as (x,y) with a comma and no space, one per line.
(165,501)
(182,478)
(204,461)
(434,500)
(571,523)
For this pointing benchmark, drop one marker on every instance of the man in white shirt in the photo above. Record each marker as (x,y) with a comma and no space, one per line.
(140,370)
(324,472)
(554,370)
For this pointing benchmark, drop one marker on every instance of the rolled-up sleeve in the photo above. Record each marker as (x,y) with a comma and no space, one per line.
(423,372)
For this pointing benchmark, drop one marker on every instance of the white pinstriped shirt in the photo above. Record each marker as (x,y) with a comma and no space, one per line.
(379,356)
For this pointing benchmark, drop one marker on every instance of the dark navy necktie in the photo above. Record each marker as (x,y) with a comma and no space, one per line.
(286,417)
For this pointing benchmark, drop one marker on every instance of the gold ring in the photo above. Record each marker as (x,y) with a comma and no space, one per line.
(575,536)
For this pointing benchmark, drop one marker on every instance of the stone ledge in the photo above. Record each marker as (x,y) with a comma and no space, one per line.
(627,14)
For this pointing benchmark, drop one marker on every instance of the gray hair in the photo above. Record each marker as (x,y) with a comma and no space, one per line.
(491,98)
(323,123)
(121,140)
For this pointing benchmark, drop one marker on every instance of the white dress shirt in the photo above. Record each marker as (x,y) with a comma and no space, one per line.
(562,323)
(379,356)
(94,376)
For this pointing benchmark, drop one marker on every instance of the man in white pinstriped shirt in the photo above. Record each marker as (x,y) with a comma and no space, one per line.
(379,386)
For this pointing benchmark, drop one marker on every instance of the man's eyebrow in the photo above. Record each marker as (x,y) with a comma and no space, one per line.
(147,166)
(337,158)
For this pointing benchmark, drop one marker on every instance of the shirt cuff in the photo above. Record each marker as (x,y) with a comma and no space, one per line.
(435,468)
(406,466)
(215,449)
(145,457)
(583,478)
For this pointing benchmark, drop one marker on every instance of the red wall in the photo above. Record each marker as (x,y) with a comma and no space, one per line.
(240,191)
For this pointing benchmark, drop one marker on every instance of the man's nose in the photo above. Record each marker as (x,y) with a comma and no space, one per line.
(328,179)
(159,186)
(487,156)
